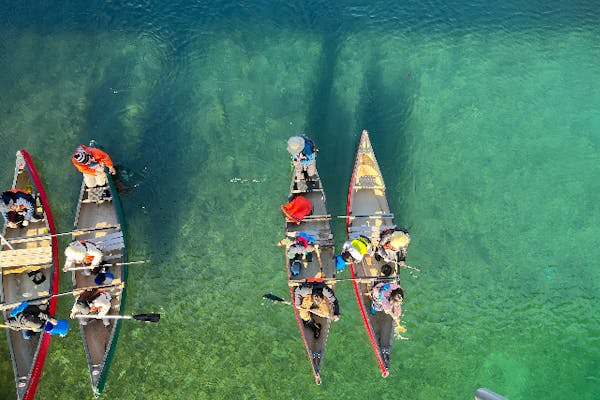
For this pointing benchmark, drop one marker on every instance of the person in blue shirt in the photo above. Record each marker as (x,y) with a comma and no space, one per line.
(31,319)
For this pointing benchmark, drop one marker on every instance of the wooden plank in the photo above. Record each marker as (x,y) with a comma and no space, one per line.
(30,256)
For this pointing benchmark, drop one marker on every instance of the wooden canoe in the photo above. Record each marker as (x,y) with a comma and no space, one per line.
(99,341)
(318,225)
(29,254)
(368,213)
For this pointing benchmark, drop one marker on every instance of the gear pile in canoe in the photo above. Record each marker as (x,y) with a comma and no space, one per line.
(29,266)
(374,252)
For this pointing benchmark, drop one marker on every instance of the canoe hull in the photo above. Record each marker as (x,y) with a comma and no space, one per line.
(100,341)
(318,225)
(28,356)
(368,213)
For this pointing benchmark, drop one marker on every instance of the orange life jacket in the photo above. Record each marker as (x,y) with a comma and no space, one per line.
(297,209)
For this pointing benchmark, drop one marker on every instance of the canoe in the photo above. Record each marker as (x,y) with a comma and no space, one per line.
(106,220)
(33,250)
(368,213)
(317,225)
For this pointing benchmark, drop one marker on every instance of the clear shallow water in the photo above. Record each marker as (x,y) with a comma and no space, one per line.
(485,121)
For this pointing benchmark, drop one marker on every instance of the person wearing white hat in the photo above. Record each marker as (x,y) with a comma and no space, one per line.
(393,245)
(304,154)
(91,162)
(83,252)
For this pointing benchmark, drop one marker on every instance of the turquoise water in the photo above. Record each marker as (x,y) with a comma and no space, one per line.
(485,120)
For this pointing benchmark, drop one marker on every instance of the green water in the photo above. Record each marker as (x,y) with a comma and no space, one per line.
(488,139)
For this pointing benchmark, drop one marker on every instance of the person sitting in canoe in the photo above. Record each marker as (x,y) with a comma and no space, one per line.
(298,250)
(393,245)
(304,154)
(92,302)
(18,208)
(353,251)
(387,297)
(91,162)
(31,319)
(316,296)
(86,253)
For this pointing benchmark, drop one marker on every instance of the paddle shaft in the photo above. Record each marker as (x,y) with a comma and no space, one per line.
(300,308)
(76,291)
(318,251)
(107,265)
(138,317)
(6,242)
(104,317)
(367,216)
(363,279)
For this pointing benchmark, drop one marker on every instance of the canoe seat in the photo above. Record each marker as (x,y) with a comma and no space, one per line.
(317,217)
(321,238)
(368,231)
(368,182)
(110,242)
(22,257)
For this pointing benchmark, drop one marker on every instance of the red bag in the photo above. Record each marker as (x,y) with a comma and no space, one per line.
(297,209)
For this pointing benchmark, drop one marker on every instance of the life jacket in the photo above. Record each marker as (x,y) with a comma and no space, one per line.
(361,244)
(297,209)
(91,162)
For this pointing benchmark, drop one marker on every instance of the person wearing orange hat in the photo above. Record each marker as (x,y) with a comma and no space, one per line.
(91,162)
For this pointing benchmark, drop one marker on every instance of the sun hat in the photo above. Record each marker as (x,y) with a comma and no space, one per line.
(295,144)
(399,239)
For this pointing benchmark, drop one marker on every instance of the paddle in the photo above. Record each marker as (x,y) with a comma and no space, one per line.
(6,241)
(76,291)
(406,266)
(278,299)
(139,317)
(366,216)
(399,329)
(107,265)
(318,251)
(365,279)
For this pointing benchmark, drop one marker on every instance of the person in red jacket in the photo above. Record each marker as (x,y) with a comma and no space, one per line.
(91,162)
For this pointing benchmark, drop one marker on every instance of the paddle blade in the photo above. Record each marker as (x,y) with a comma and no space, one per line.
(272,297)
(147,317)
